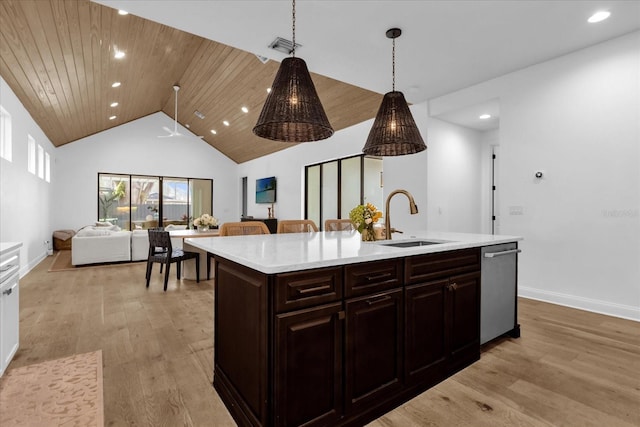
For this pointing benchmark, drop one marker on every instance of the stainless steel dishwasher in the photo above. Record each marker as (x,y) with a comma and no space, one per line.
(498,300)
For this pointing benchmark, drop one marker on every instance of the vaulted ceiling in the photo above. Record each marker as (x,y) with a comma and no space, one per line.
(58,57)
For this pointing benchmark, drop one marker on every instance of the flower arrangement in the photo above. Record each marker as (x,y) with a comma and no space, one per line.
(205,221)
(363,217)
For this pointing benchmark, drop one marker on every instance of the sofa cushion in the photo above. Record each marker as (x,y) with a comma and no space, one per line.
(92,232)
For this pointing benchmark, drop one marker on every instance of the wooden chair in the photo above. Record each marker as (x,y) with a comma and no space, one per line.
(338,225)
(161,251)
(244,228)
(296,226)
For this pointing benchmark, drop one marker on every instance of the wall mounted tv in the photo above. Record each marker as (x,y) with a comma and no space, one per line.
(266,190)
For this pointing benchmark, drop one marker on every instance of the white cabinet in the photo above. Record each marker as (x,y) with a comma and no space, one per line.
(9,302)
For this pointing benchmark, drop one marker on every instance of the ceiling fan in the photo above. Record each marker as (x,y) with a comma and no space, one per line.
(175,132)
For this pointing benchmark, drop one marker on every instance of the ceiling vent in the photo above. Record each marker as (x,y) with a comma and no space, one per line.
(199,114)
(283,45)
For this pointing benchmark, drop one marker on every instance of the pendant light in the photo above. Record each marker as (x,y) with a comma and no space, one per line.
(394,132)
(292,111)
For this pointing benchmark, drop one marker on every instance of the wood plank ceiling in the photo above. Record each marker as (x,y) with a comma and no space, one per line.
(58,57)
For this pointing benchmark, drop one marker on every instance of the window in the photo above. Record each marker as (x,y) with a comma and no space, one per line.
(31,154)
(114,199)
(142,202)
(5,134)
(335,187)
(40,162)
(47,167)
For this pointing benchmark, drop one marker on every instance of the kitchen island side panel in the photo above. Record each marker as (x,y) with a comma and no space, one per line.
(241,349)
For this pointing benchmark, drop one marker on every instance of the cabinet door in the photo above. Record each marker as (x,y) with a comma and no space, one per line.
(241,348)
(9,321)
(425,338)
(373,349)
(308,366)
(464,292)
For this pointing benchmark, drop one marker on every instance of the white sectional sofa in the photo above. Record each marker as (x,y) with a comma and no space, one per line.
(139,245)
(107,243)
(96,244)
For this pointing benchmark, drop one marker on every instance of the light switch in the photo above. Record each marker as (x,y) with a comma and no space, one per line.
(516,210)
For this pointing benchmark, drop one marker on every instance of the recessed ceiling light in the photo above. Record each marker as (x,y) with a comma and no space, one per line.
(114,104)
(112,117)
(226,123)
(122,12)
(268,90)
(245,109)
(484,116)
(599,16)
(116,84)
(213,131)
(118,54)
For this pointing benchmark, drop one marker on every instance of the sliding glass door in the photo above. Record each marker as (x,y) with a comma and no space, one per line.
(142,202)
(113,199)
(200,197)
(335,187)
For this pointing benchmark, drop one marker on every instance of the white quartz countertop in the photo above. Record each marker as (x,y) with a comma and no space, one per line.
(280,253)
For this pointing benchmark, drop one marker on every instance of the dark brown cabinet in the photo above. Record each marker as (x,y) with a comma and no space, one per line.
(442,320)
(373,353)
(340,346)
(464,332)
(425,343)
(308,367)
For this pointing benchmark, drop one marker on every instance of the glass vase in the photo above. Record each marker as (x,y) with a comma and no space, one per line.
(368,235)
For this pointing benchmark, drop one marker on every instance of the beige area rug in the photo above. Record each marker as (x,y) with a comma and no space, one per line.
(62,392)
(62,262)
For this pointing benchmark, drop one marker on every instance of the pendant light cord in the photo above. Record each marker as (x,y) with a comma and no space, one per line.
(293,28)
(393,65)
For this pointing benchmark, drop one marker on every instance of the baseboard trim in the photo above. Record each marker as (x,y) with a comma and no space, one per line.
(32,264)
(597,306)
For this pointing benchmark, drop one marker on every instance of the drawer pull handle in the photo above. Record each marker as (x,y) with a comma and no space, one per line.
(7,267)
(311,290)
(507,252)
(378,276)
(380,299)
(7,292)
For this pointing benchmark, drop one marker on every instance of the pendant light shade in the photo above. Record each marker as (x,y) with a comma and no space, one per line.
(394,132)
(292,111)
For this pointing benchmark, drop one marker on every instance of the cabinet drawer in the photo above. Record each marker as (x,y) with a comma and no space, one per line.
(307,288)
(422,268)
(371,277)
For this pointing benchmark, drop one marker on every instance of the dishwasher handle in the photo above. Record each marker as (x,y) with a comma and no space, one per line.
(495,254)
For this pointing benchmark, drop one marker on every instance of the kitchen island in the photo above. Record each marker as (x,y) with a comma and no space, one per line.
(321,329)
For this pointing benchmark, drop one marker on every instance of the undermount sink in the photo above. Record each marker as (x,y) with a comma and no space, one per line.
(411,243)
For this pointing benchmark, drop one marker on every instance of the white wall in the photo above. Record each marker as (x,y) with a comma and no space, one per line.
(134,148)
(577,118)
(448,171)
(24,198)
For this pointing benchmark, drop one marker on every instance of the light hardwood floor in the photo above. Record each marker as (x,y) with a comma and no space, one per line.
(569,368)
